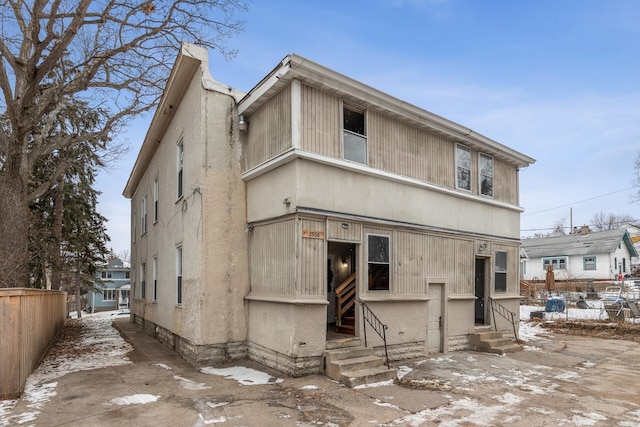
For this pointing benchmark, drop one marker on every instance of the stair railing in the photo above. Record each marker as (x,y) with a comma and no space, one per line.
(503,311)
(345,297)
(380,328)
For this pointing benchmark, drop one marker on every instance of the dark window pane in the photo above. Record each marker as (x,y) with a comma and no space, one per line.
(501,282)
(378,249)
(353,121)
(379,277)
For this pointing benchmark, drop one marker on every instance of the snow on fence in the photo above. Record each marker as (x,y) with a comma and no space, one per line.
(30,320)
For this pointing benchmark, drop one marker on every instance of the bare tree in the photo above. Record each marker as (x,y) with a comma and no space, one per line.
(112,55)
(558,228)
(610,221)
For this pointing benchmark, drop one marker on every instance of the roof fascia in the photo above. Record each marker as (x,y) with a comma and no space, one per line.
(187,63)
(296,67)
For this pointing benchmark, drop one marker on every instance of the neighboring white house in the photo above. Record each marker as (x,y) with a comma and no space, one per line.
(603,255)
(263,222)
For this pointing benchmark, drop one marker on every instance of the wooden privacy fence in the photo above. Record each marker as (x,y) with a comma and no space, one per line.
(30,319)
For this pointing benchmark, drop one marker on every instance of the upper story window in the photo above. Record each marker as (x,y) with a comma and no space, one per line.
(486,174)
(354,134)
(378,260)
(155,200)
(143,215)
(180,165)
(463,167)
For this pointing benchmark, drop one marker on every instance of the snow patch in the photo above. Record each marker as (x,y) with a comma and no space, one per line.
(243,375)
(134,399)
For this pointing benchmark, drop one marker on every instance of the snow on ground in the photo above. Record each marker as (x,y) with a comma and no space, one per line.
(243,375)
(107,349)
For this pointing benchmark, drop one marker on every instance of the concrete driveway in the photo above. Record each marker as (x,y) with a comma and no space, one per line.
(557,380)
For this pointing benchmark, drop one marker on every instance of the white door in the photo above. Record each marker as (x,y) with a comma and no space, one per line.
(434,319)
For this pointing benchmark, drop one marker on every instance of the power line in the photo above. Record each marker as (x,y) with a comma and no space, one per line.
(580,201)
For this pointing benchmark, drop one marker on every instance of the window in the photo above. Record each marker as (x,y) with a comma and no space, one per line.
(354,134)
(486,175)
(558,263)
(143,281)
(143,215)
(109,275)
(155,278)
(127,274)
(624,265)
(135,227)
(180,162)
(378,260)
(155,200)
(463,168)
(103,274)
(500,282)
(109,295)
(179,274)
(589,263)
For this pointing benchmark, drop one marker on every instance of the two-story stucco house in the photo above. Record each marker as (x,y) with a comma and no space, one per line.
(262,222)
(584,255)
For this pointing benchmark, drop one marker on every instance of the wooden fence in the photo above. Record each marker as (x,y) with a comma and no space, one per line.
(30,319)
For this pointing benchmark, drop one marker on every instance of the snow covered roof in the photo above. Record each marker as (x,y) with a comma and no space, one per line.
(602,242)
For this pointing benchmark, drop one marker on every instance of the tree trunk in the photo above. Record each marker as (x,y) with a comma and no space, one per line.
(58,209)
(14,231)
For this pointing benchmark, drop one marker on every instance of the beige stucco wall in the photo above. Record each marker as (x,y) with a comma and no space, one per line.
(214,258)
(311,184)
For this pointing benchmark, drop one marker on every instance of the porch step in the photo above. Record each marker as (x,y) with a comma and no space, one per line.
(492,342)
(355,366)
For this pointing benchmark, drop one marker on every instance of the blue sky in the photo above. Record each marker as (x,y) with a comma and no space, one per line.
(556,80)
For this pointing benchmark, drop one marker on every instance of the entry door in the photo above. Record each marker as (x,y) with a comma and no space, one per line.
(434,318)
(480,291)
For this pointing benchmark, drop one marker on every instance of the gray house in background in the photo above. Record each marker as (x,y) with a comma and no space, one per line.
(584,255)
(263,222)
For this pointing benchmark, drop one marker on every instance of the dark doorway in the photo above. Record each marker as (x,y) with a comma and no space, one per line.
(480,291)
(341,288)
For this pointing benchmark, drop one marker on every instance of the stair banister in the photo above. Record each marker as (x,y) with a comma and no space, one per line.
(380,328)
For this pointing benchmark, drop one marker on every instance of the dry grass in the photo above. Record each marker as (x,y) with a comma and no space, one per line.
(596,328)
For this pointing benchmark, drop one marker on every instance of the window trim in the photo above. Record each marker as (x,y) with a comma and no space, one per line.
(360,110)
(480,175)
(155,278)
(143,215)
(143,280)
(586,259)
(180,169)
(179,266)
(110,291)
(468,150)
(156,196)
(549,260)
(498,271)
(388,263)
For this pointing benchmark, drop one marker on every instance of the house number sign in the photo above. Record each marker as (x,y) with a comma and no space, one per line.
(310,234)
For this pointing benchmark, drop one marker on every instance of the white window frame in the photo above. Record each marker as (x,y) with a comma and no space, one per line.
(143,280)
(482,175)
(459,148)
(500,272)
(143,215)
(108,294)
(155,278)
(180,169)
(589,261)
(353,136)
(155,199)
(387,263)
(179,289)
(557,262)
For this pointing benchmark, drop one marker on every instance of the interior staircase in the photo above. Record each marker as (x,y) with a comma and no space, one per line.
(351,363)
(489,341)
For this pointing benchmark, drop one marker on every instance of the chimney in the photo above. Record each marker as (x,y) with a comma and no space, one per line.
(585,230)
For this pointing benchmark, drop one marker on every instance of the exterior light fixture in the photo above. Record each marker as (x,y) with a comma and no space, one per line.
(242,124)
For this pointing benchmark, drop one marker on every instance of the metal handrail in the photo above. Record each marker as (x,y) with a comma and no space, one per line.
(380,328)
(504,312)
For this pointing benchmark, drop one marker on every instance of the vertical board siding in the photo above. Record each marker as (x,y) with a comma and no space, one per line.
(270,129)
(321,125)
(463,279)
(312,260)
(411,263)
(272,253)
(31,320)
(505,182)
(335,231)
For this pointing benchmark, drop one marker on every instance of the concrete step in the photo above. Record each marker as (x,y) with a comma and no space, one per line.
(504,349)
(343,343)
(492,342)
(367,376)
(347,353)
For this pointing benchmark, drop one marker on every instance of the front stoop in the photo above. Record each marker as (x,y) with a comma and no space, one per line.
(492,342)
(355,365)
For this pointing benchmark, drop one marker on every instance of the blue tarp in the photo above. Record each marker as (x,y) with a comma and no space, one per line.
(555,305)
